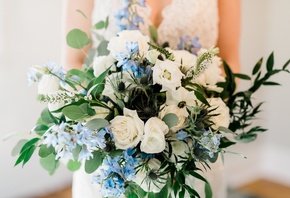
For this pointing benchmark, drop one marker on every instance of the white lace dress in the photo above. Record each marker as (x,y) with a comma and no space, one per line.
(180,18)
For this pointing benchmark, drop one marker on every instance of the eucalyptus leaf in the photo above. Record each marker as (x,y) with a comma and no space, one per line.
(102,48)
(47,117)
(170,120)
(97,123)
(93,164)
(77,39)
(18,146)
(100,25)
(74,112)
(45,151)
(49,163)
(73,165)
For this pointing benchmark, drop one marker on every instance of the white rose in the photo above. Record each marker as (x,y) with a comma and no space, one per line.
(223,119)
(185,59)
(154,136)
(211,76)
(101,63)
(181,123)
(167,74)
(127,129)
(118,44)
(152,56)
(148,184)
(48,84)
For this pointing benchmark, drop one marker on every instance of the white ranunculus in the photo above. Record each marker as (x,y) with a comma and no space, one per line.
(223,119)
(148,184)
(181,123)
(101,63)
(127,129)
(212,75)
(185,59)
(167,74)
(154,136)
(48,84)
(118,44)
(181,98)
(152,56)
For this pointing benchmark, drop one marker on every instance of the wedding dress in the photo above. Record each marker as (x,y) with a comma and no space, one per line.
(180,18)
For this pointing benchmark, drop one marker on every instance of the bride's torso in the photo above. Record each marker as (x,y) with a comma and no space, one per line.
(194,18)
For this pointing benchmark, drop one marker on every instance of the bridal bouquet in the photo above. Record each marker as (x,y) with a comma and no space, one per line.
(144,120)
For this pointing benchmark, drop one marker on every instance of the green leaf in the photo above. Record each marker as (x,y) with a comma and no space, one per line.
(49,163)
(28,144)
(97,123)
(257,67)
(286,64)
(18,146)
(74,112)
(207,190)
(102,48)
(82,13)
(45,151)
(76,72)
(270,62)
(132,195)
(198,176)
(163,192)
(191,191)
(100,25)
(271,83)
(153,33)
(47,117)
(29,152)
(224,129)
(77,39)
(107,22)
(243,76)
(40,129)
(73,165)
(170,120)
(201,98)
(94,163)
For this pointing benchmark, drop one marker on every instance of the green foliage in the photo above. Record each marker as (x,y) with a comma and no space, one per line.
(45,151)
(26,151)
(97,123)
(40,129)
(47,117)
(102,24)
(170,120)
(153,34)
(49,163)
(93,164)
(74,112)
(16,149)
(77,39)
(102,48)
(73,165)
(167,54)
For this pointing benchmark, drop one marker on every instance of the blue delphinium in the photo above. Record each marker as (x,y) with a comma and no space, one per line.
(210,142)
(186,43)
(113,187)
(181,135)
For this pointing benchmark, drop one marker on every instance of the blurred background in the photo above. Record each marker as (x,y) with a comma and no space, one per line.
(30,34)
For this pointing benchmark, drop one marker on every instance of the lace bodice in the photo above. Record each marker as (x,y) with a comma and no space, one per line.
(180,18)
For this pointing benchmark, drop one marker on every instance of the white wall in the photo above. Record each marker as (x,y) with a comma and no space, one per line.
(30,34)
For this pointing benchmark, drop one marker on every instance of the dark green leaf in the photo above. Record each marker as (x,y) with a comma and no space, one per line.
(28,144)
(198,176)
(73,165)
(97,123)
(94,163)
(257,67)
(286,64)
(45,151)
(132,195)
(170,120)
(201,98)
(49,163)
(77,39)
(191,191)
(243,76)
(270,62)
(29,152)
(271,83)
(40,129)
(208,191)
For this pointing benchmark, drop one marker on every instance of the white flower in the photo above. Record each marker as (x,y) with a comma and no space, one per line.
(167,74)
(118,44)
(152,56)
(181,123)
(179,150)
(127,129)
(151,180)
(48,84)
(154,136)
(181,98)
(185,59)
(101,63)
(211,76)
(223,119)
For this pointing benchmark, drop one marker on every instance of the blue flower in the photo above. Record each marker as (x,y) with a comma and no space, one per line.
(33,75)
(113,187)
(146,155)
(64,154)
(85,154)
(122,59)
(50,139)
(182,135)
(132,47)
(113,164)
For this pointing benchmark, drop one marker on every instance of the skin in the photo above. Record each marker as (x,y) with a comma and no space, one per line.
(228,41)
